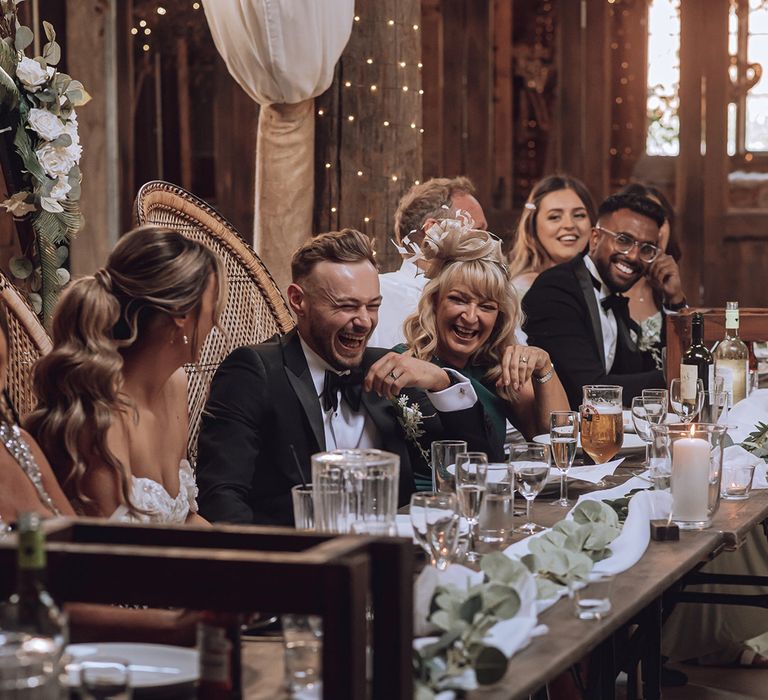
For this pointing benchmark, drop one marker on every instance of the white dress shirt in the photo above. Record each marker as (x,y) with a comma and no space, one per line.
(607,318)
(345,428)
(400,294)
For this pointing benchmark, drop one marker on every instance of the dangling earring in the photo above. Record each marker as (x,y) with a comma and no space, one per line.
(185,339)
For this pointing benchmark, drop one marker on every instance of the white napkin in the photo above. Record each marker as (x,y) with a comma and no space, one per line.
(405,528)
(630,545)
(746,414)
(592,473)
(430,578)
(737,456)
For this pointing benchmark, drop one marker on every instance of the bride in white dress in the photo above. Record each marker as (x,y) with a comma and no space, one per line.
(112,399)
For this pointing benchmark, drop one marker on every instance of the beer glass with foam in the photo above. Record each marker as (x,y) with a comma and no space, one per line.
(602,424)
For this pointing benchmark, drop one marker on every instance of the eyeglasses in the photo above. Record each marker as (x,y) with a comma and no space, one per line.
(623,243)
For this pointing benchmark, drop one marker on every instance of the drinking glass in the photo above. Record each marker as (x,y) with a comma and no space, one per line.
(443,454)
(647,411)
(530,465)
(686,407)
(28,665)
(593,601)
(302,651)
(442,520)
(602,423)
(105,678)
(303,510)
(714,407)
(419,512)
(563,436)
(498,507)
(471,479)
(662,395)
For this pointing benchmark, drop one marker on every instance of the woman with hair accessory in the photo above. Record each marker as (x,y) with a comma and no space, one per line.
(466,320)
(645,297)
(112,396)
(553,228)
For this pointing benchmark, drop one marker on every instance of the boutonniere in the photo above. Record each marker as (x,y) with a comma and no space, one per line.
(410,418)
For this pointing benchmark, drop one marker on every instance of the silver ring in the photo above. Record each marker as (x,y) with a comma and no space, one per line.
(524,360)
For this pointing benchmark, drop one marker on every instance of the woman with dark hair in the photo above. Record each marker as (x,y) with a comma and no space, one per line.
(112,400)
(645,300)
(554,228)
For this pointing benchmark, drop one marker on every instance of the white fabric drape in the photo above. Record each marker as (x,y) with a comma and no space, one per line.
(283,54)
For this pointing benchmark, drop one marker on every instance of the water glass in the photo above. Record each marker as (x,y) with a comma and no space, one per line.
(303,507)
(302,651)
(471,479)
(530,465)
(661,395)
(442,530)
(686,401)
(563,438)
(647,411)
(737,482)
(355,491)
(714,407)
(498,507)
(105,678)
(593,601)
(28,666)
(443,454)
(602,421)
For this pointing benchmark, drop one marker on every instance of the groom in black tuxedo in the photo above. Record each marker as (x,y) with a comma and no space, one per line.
(319,387)
(577,313)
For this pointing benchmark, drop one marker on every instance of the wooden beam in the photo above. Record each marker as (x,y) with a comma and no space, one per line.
(92,59)
(433,81)
(185,114)
(503,114)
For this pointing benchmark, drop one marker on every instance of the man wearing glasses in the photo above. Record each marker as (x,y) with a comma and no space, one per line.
(577,313)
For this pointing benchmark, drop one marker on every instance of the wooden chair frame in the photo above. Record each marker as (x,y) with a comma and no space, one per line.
(236,568)
(255,308)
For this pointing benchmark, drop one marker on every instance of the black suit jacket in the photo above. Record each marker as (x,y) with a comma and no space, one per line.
(563,318)
(263,400)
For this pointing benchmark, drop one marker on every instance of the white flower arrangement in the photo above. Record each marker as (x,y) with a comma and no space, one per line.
(38,107)
(410,418)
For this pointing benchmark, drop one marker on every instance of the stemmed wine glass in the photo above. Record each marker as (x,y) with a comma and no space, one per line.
(471,478)
(530,465)
(435,523)
(647,411)
(661,396)
(563,436)
(686,400)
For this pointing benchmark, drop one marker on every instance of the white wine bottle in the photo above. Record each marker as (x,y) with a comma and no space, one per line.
(732,357)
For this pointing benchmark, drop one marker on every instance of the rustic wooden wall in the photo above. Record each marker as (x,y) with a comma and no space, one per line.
(368,129)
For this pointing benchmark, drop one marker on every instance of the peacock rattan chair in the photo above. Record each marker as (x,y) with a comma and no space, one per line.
(255,308)
(27,342)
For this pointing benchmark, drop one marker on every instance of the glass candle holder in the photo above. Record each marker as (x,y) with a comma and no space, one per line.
(694,456)
(737,482)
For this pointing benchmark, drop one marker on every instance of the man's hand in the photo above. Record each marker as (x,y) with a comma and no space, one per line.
(394,372)
(519,362)
(664,275)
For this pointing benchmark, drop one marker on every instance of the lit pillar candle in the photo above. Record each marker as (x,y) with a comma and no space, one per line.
(690,479)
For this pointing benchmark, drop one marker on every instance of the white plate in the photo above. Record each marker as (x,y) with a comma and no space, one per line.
(631,442)
(151,665)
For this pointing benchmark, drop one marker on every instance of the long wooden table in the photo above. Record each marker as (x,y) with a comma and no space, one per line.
(637,595)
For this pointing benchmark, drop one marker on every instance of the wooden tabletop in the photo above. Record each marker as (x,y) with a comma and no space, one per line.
(569,639)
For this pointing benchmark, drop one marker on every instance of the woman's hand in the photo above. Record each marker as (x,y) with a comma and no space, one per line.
(394,372)
(520,362)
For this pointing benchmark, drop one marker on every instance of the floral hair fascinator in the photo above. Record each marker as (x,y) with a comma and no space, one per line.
(455,240)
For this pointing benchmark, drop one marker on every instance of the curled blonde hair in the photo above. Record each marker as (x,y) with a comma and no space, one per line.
(152,273)
(486,278)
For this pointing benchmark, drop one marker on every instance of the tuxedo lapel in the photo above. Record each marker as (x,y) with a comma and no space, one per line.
(297,371)
(588,291)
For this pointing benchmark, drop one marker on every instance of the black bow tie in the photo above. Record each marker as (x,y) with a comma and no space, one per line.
(350,385)
(615,302)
